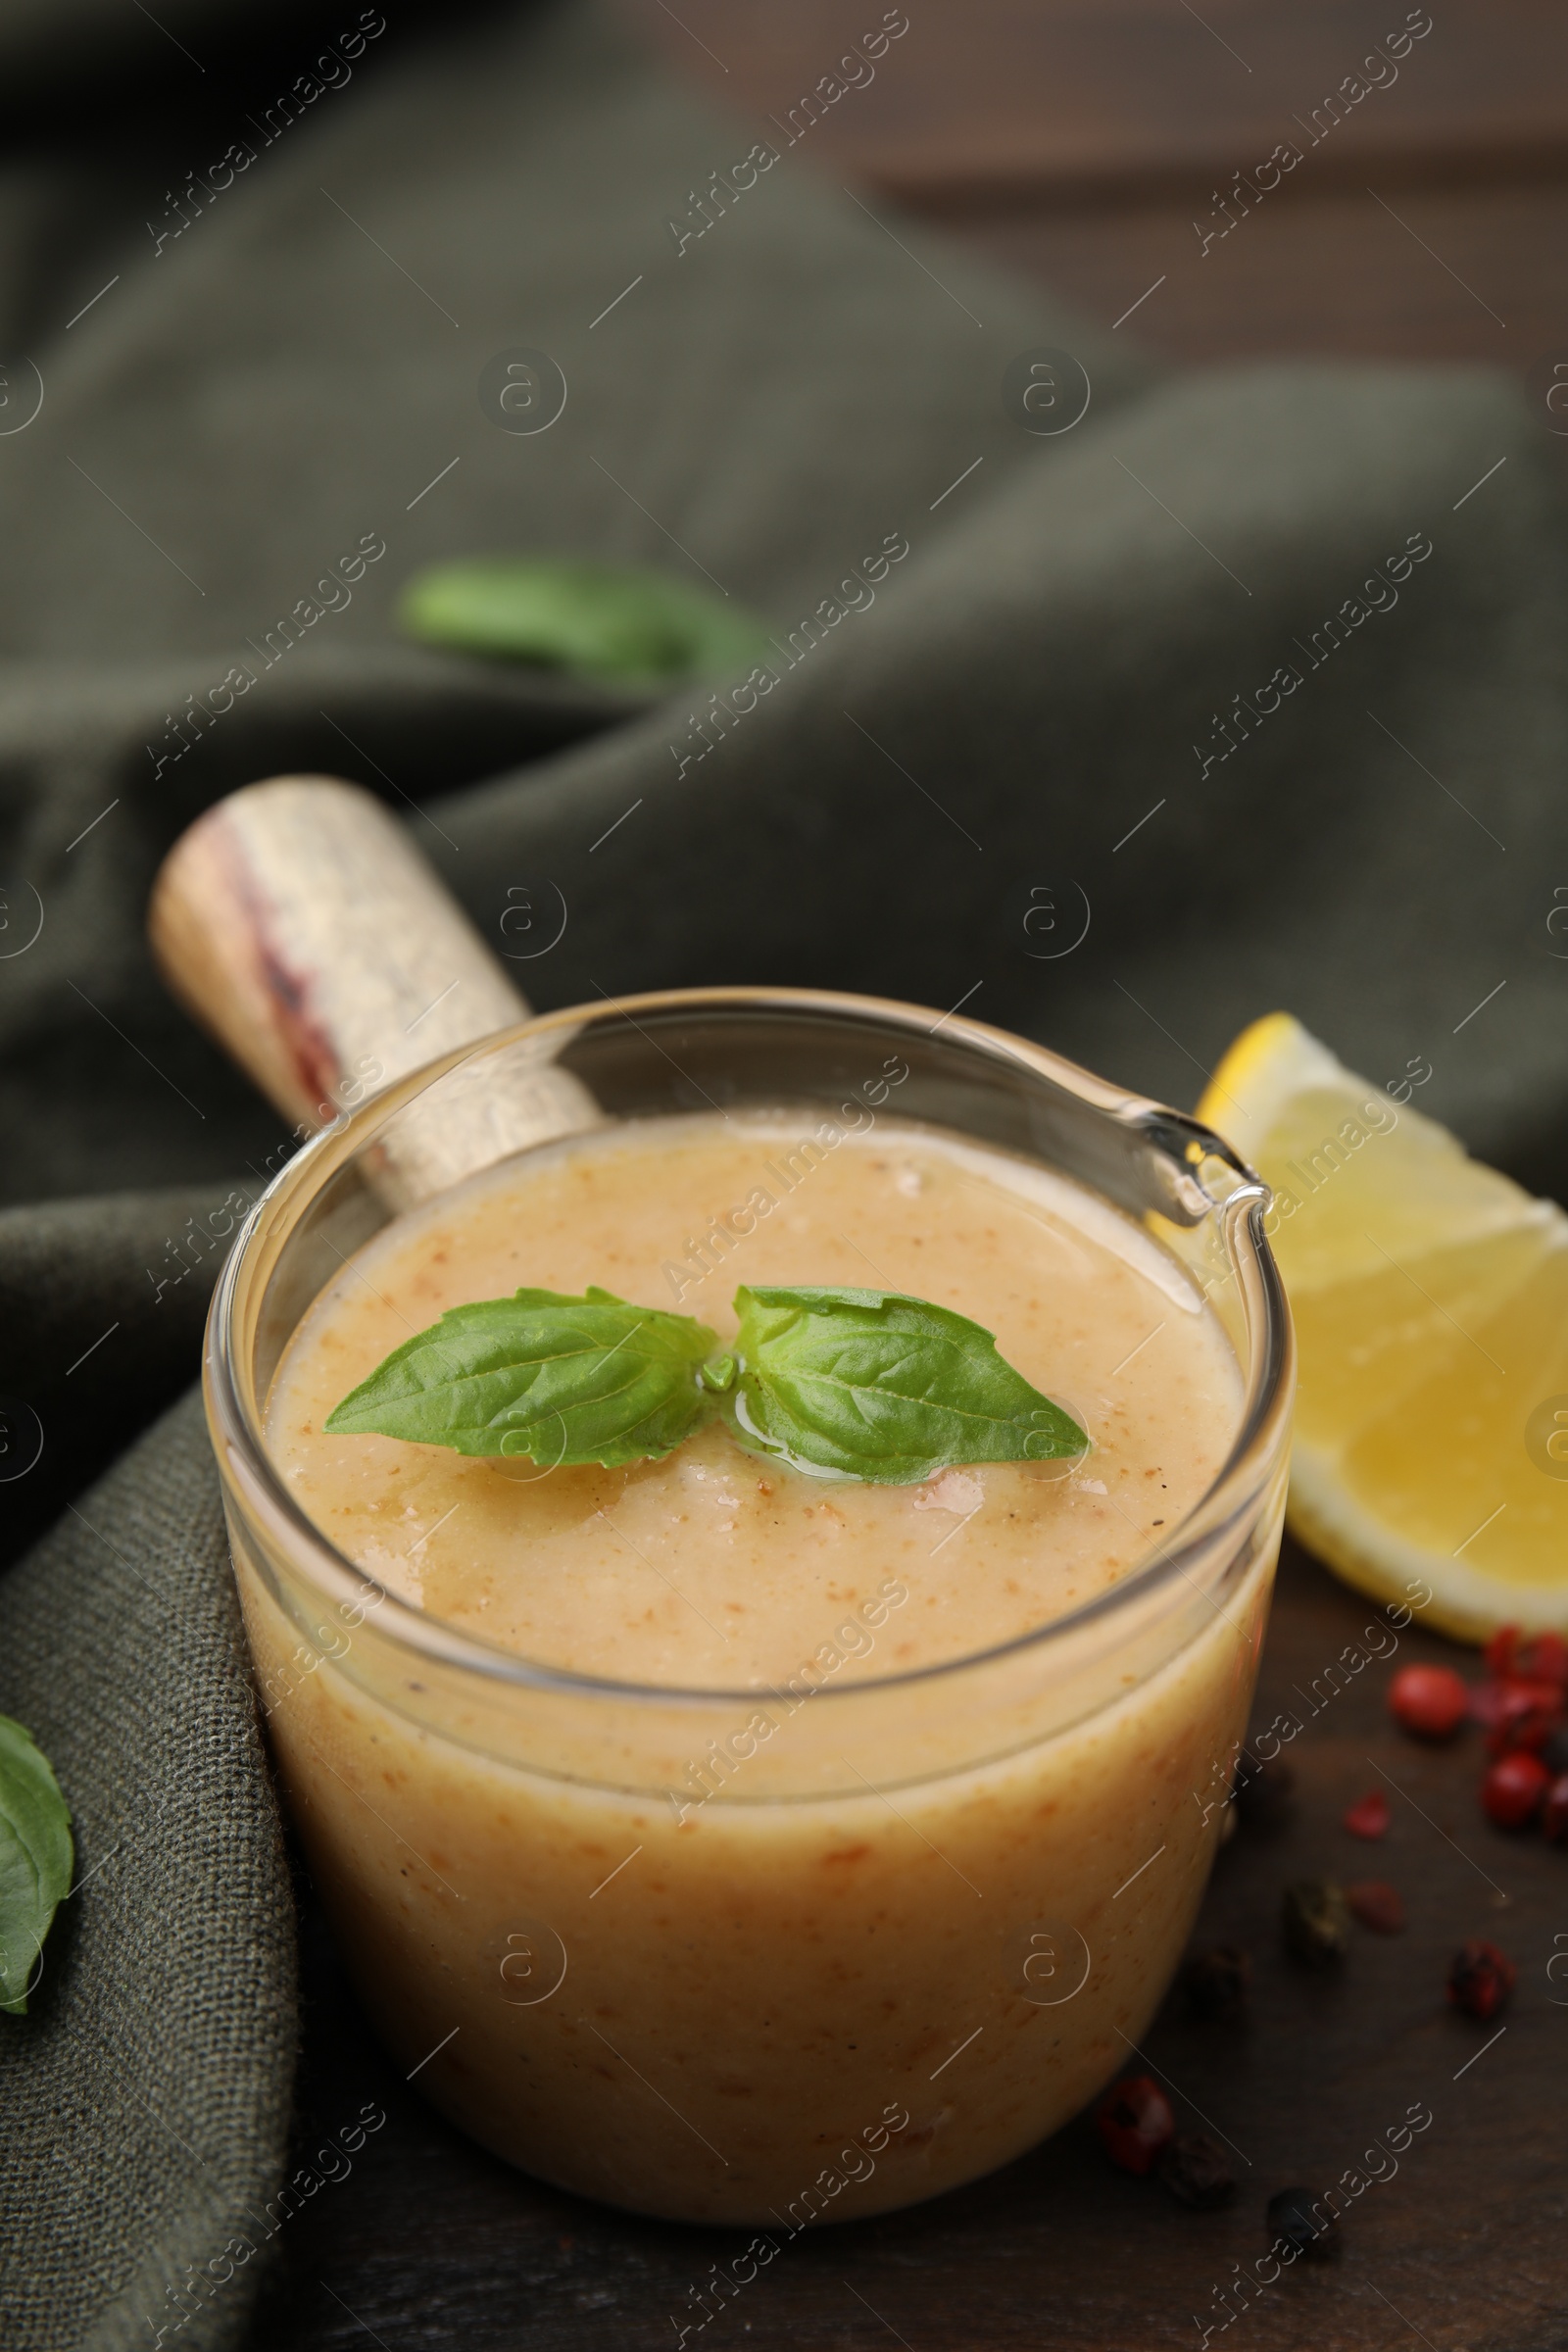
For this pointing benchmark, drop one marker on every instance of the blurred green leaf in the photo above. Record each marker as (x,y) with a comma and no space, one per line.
(592,621)
(35,1852)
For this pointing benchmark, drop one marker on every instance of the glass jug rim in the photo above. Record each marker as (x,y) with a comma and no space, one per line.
(1184,1143)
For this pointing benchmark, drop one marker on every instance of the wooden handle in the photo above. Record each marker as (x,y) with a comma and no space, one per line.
(299,924)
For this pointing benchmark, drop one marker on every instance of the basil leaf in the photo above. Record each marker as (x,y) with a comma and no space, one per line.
(608,621)
(35,1856)
(563,1380)
(876,1385)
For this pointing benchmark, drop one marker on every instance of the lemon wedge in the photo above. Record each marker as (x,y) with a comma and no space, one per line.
(1431,1304)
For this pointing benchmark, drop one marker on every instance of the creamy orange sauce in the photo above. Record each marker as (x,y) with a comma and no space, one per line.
(714,1568)
(697,1954)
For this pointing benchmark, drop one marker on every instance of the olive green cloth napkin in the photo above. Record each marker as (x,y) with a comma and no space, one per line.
(1247,690)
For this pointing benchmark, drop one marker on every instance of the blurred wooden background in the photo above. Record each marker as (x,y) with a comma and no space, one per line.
(1080,139)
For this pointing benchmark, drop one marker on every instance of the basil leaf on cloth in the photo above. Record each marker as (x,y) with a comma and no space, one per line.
(608,621)
(563,1380)
(873,1385)
(35,1854)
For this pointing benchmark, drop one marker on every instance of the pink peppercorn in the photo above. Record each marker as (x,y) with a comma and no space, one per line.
(1480,1979)
(1136,2122)
(1512,1791)
(1429,1700)
(1554,1810)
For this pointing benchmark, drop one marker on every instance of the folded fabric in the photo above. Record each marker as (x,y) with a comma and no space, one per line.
(146,2094)
(1248,689)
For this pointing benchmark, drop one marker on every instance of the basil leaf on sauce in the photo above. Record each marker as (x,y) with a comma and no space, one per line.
(35,1856)
(857,1384)
(561,1380)
(872,1385)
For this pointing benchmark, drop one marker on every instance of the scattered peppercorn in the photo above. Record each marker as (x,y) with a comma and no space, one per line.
(1369,1816)
(1263,1793)
(1517,1714)
(1377,1905)
(1215,1981)
(1481,1979)
(1198,2172)
(1483,1701)
(1522,1706)
(1430,1701)
(1294,2220)
(1513,1788)
(1544,1658)
(1554,1810)
(1316,1920)
(1136,2122)
(1500,1651)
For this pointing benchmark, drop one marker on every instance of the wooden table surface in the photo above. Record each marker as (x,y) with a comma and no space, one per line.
(1080,143)
(1080,140)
